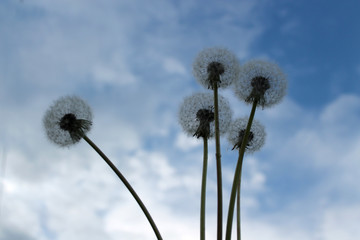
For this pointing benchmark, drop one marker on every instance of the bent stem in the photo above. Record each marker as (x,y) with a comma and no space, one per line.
(237,175)
(218,162)
(127,184)
(203,191)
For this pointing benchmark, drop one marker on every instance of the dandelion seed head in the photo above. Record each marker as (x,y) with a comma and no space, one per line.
(196,115)
(216,68)
(216,64)
(67,120)
(236,133)
(261,80)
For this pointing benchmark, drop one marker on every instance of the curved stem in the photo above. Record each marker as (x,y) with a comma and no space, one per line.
(127,184)
(218,162)
(237,175)
(203,191)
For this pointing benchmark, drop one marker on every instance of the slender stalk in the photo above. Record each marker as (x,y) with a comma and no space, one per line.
(203,191)
(218,163)
(127,184)
(237,175)
(238,215)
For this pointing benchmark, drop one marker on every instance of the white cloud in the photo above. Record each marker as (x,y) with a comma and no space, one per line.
(172,65)
(340,223)
(104,74)
(115,133)
(342,113)
(185,142)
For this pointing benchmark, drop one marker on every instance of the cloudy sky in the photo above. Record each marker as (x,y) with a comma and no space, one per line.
(131,60)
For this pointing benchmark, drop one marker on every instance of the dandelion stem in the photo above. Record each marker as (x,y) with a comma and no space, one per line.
(218,162)
(238,216)
(237,176)
(203,191)
(127,184)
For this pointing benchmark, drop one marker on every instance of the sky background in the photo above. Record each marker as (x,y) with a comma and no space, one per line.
(131,60)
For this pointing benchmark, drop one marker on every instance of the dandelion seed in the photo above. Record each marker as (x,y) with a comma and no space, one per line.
(216,65)
(256,137)
(262,81)
(67,120)
(196,115)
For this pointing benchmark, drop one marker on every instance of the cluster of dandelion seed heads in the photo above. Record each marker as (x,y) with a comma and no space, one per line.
(212,62)
(262,80)
(67,120)
(237,130)
(198,109)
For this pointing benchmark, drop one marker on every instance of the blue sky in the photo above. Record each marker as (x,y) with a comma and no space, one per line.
(131,60)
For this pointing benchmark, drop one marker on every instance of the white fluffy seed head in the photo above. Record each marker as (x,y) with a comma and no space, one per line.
(61,107)
(192,104)
(223,56)
(257,130)
(270,71)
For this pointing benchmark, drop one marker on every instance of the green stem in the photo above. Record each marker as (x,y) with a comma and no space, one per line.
(218,162)
(127,184)
(237,175)
(238,216)
(203,191)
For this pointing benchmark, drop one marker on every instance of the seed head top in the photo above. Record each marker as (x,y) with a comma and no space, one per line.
(67,120)
(262,81)
(216,65)
(196,115)
(256,137)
